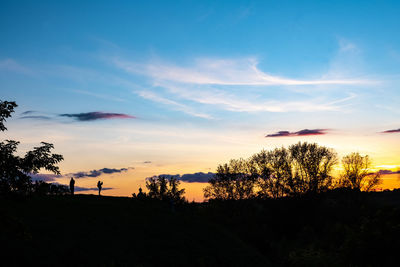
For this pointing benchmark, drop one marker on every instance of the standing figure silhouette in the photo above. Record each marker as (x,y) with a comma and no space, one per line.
(140,195)
(72,185)
(99,185)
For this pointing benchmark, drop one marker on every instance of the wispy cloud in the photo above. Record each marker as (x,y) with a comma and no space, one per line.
(230,102)
(235,85)
(347,46)
(240,85)
(28,112)
(304,132)
(97,115)
(101,96)
(36,117)
(175,105)
(221,72)
(12,65)
(392,131)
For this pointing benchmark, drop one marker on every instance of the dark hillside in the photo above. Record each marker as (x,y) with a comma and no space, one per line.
(109,231)
(338,228)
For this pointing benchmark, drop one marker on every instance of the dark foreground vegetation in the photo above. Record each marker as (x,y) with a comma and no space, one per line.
(335,228)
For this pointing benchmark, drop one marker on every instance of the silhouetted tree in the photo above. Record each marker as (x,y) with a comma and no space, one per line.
(312,166)
(42,188)
(356,173)
(6,108)
(163,188)
(15,170)
(232,181)
(274,172)
(302,168)
(59,189)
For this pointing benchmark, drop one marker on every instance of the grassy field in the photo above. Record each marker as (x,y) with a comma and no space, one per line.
(332,229)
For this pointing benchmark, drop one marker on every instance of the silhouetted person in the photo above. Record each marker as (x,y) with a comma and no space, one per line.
(140,195)
(99,185)
(72,185)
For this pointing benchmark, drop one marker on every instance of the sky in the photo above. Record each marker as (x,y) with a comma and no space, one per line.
(130,89)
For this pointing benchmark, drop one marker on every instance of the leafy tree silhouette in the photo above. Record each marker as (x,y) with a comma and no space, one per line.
(15,170)
(232,181)
(273,171)
(300,169)
(312,166)
(357,174)
(6,108)
(163,188)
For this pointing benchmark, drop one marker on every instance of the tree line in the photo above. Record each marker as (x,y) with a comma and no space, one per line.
(302,168)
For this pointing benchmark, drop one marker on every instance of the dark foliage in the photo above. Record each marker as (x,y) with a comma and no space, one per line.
(302,168)
(163,188)
(232,181)
(356,173)
(15,170)
(6,108)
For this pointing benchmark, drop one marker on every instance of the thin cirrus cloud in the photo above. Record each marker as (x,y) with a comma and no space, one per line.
(171,103)
(13,66)
(97,115)
(221,72)
(36,117)
(233,103)
(391,131)
(227,85)
(305,132)
(28,112)
(32,114)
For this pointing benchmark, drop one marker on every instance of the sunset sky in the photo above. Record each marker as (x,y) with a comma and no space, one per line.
(133,89)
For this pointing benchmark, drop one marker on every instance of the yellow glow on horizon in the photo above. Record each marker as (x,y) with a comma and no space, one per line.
(172,150)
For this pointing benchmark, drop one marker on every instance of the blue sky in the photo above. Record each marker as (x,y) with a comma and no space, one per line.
(201,78)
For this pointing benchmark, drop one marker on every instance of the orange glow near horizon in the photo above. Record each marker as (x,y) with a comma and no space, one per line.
(172,151)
